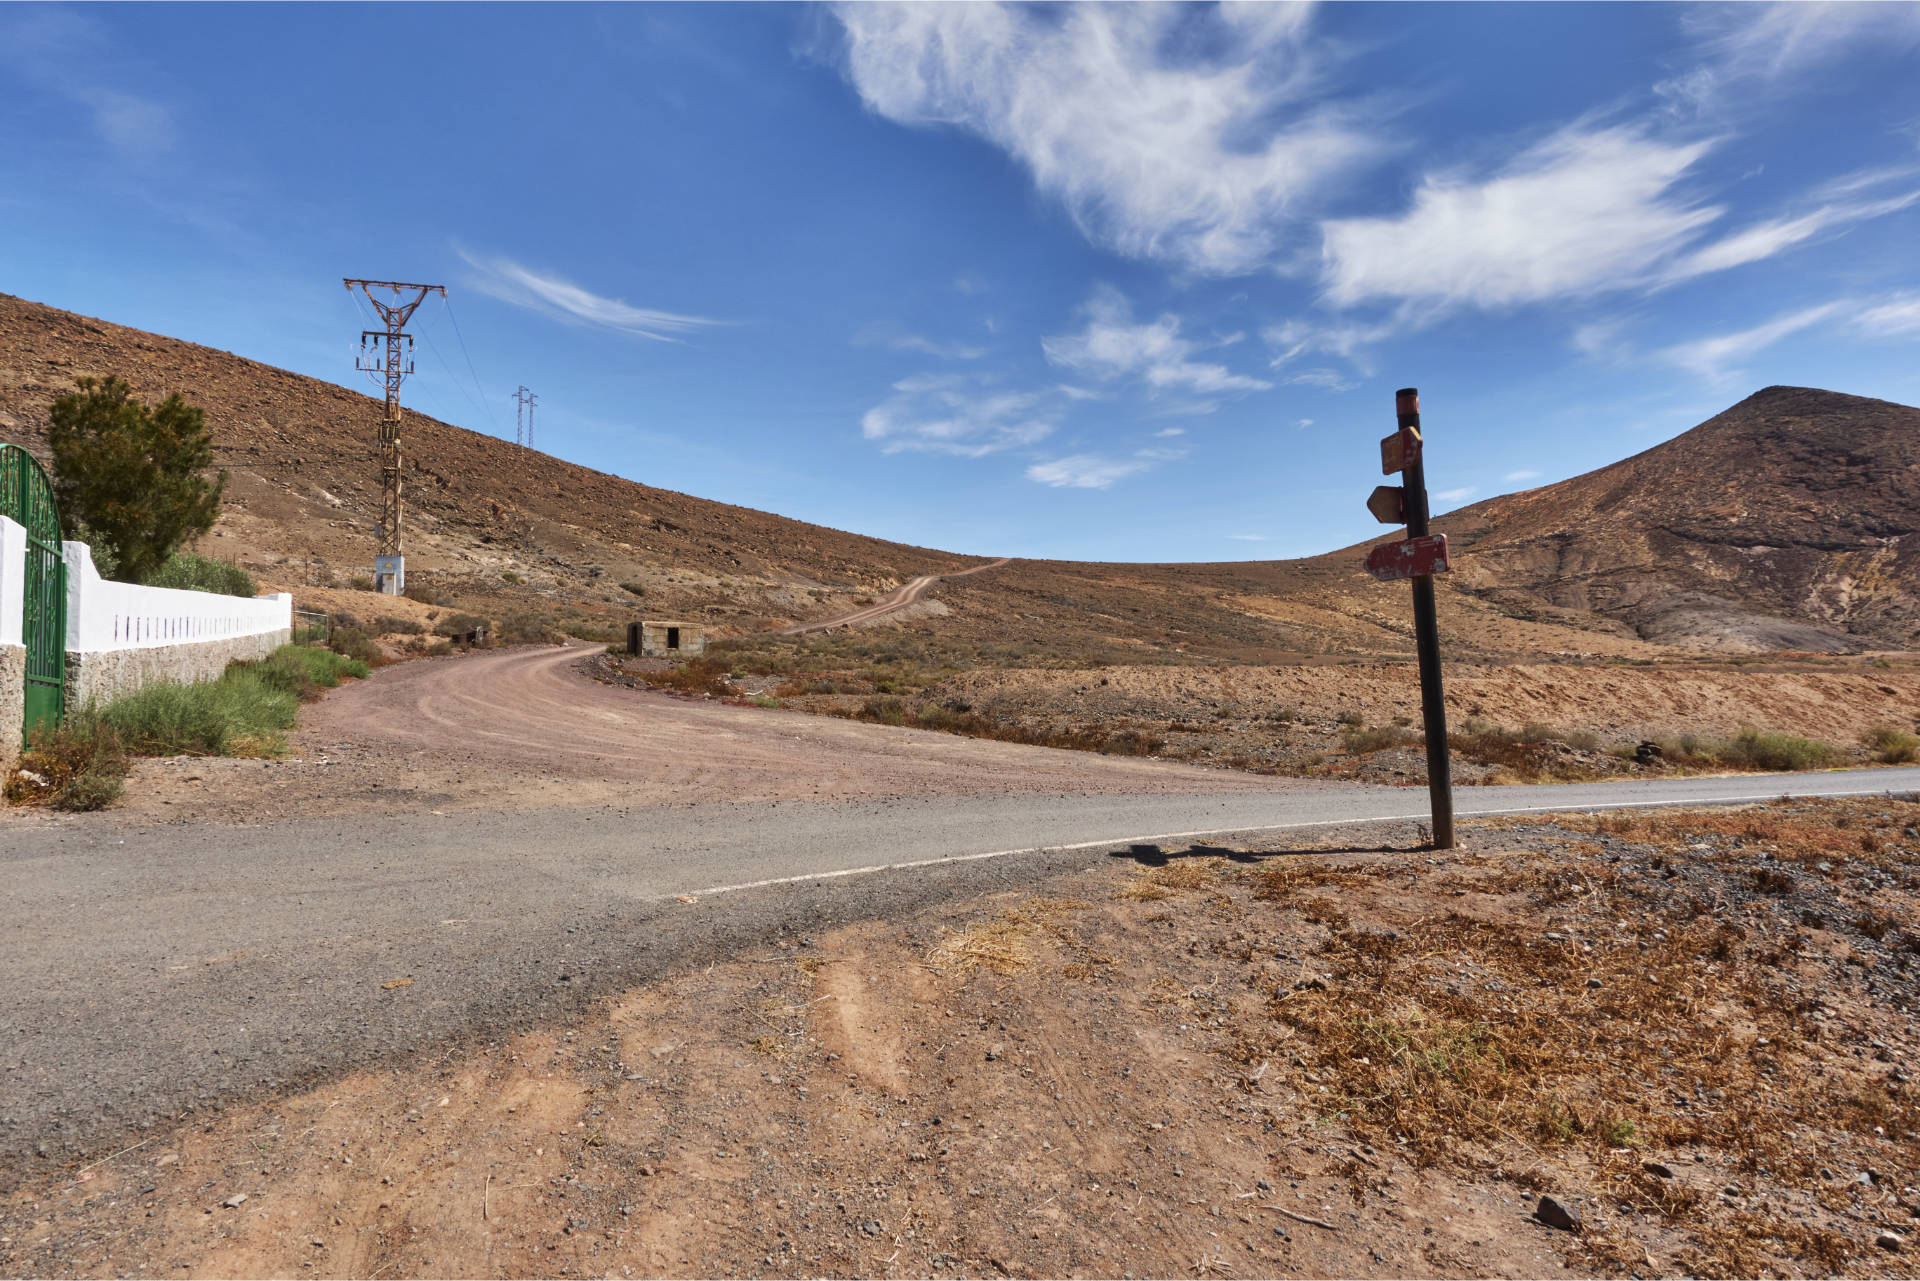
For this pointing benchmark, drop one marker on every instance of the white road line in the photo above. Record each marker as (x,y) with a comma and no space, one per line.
(1272,827)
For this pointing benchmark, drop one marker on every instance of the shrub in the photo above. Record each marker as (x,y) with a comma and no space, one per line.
(1362,739)
(1757,750)
(387,625)
(304,671)
(423,592)
(356,644)
(508,576)
(81,765)
(638,589)
(459,624)
(187,571)
(241,714)
(1891,746)
(360,583)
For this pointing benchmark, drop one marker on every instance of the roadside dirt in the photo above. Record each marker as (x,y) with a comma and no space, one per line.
(1692,1029)
(523,728)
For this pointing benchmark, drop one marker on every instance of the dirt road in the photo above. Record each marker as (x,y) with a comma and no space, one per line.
(898,601)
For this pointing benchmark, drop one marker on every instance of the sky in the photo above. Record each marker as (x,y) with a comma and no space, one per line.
(1129,283)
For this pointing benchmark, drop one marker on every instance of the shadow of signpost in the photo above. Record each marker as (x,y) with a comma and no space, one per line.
(1150,855)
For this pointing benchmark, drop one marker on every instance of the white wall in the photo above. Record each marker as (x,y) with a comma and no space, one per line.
(105,615)
(13,582)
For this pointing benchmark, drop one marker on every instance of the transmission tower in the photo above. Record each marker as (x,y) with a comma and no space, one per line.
(523,401)
(381,352)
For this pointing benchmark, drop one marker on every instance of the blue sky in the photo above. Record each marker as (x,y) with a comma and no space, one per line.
(1126,283)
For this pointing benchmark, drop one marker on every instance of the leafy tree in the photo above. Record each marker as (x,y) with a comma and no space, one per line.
(131,476)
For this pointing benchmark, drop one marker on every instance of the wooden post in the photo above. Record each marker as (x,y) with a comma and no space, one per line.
(1426,632)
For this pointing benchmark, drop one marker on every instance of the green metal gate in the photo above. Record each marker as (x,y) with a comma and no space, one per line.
(27,497)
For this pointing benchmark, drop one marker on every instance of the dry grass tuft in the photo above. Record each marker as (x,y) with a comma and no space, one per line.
(1003,945)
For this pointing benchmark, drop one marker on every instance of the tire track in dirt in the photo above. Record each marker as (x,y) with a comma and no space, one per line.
(510,724)
(899,600)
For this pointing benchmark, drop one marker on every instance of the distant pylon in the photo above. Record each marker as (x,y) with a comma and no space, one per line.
(523,401)
(381,353)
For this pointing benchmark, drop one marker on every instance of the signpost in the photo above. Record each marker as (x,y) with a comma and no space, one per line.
(1418,556)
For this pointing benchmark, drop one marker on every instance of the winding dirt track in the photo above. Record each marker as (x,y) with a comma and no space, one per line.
(899,600)
(526,726)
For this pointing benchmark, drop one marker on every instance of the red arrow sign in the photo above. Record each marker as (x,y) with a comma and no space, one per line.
(1388,503)
(1409,558)
(1399,451)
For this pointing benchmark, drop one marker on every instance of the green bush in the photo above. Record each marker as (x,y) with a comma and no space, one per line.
(1892,746)
(1754,749)
(193,573)
(241,714)
(355,644)
(388,625)
(304,671)
(508,576)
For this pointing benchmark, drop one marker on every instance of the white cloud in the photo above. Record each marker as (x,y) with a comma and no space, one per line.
(1585,210)
(1157,455)
(1714,358)
(966,417)
(69,53)
(1305,423)
(1113,345)
(1765,239)
(1600,340)
(1248,538)
(1455,495)
(1325,379)
(1899,316)
(1085,471)
(1171,431)
(1525,473)
(1344,339)
(1168,133)
(896,339)
(508,281)
(1747,44)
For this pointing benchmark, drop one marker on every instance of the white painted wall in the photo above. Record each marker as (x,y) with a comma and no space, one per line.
(13,582)
(105,615)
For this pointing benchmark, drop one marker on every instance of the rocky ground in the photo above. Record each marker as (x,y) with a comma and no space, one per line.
(1361,719)
(1693,1032)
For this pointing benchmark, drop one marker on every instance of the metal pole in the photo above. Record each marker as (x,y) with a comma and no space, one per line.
(1426,631)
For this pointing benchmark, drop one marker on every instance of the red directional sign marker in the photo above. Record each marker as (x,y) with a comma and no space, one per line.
(1399,451)
(1388,503)
(1409,558)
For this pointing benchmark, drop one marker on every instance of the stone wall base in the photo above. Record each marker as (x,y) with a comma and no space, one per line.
(100,676)
(13,703)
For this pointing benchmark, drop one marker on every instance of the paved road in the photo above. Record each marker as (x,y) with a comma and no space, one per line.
(151,970)
(899,600)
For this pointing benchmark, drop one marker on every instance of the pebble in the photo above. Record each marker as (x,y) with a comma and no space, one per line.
(1890,1241)
(235,1201)
(1658,1170)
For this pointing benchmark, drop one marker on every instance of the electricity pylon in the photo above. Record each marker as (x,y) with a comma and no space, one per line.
(381,353)
(523,418)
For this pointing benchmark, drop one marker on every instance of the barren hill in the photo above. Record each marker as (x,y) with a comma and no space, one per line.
(1790,521)
(1786,522)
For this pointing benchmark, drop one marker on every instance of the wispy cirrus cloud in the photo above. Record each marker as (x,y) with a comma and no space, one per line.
(1715,358)
(1742,46)
(1896,316)
(67,52)
(893,338)
(1459,495)
(1113,345)
(1085,471)
(1182,135)
(1525,473)
(561,299)
(965,416)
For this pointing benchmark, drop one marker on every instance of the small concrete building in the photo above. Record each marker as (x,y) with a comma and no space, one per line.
(666,640)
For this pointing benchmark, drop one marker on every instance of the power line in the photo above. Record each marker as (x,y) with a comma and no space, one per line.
(462,339)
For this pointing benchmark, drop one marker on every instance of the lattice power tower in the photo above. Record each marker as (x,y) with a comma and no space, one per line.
(382,352)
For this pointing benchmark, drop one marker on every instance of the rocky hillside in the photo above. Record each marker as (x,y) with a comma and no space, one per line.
(1785,523)
(1791,521)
